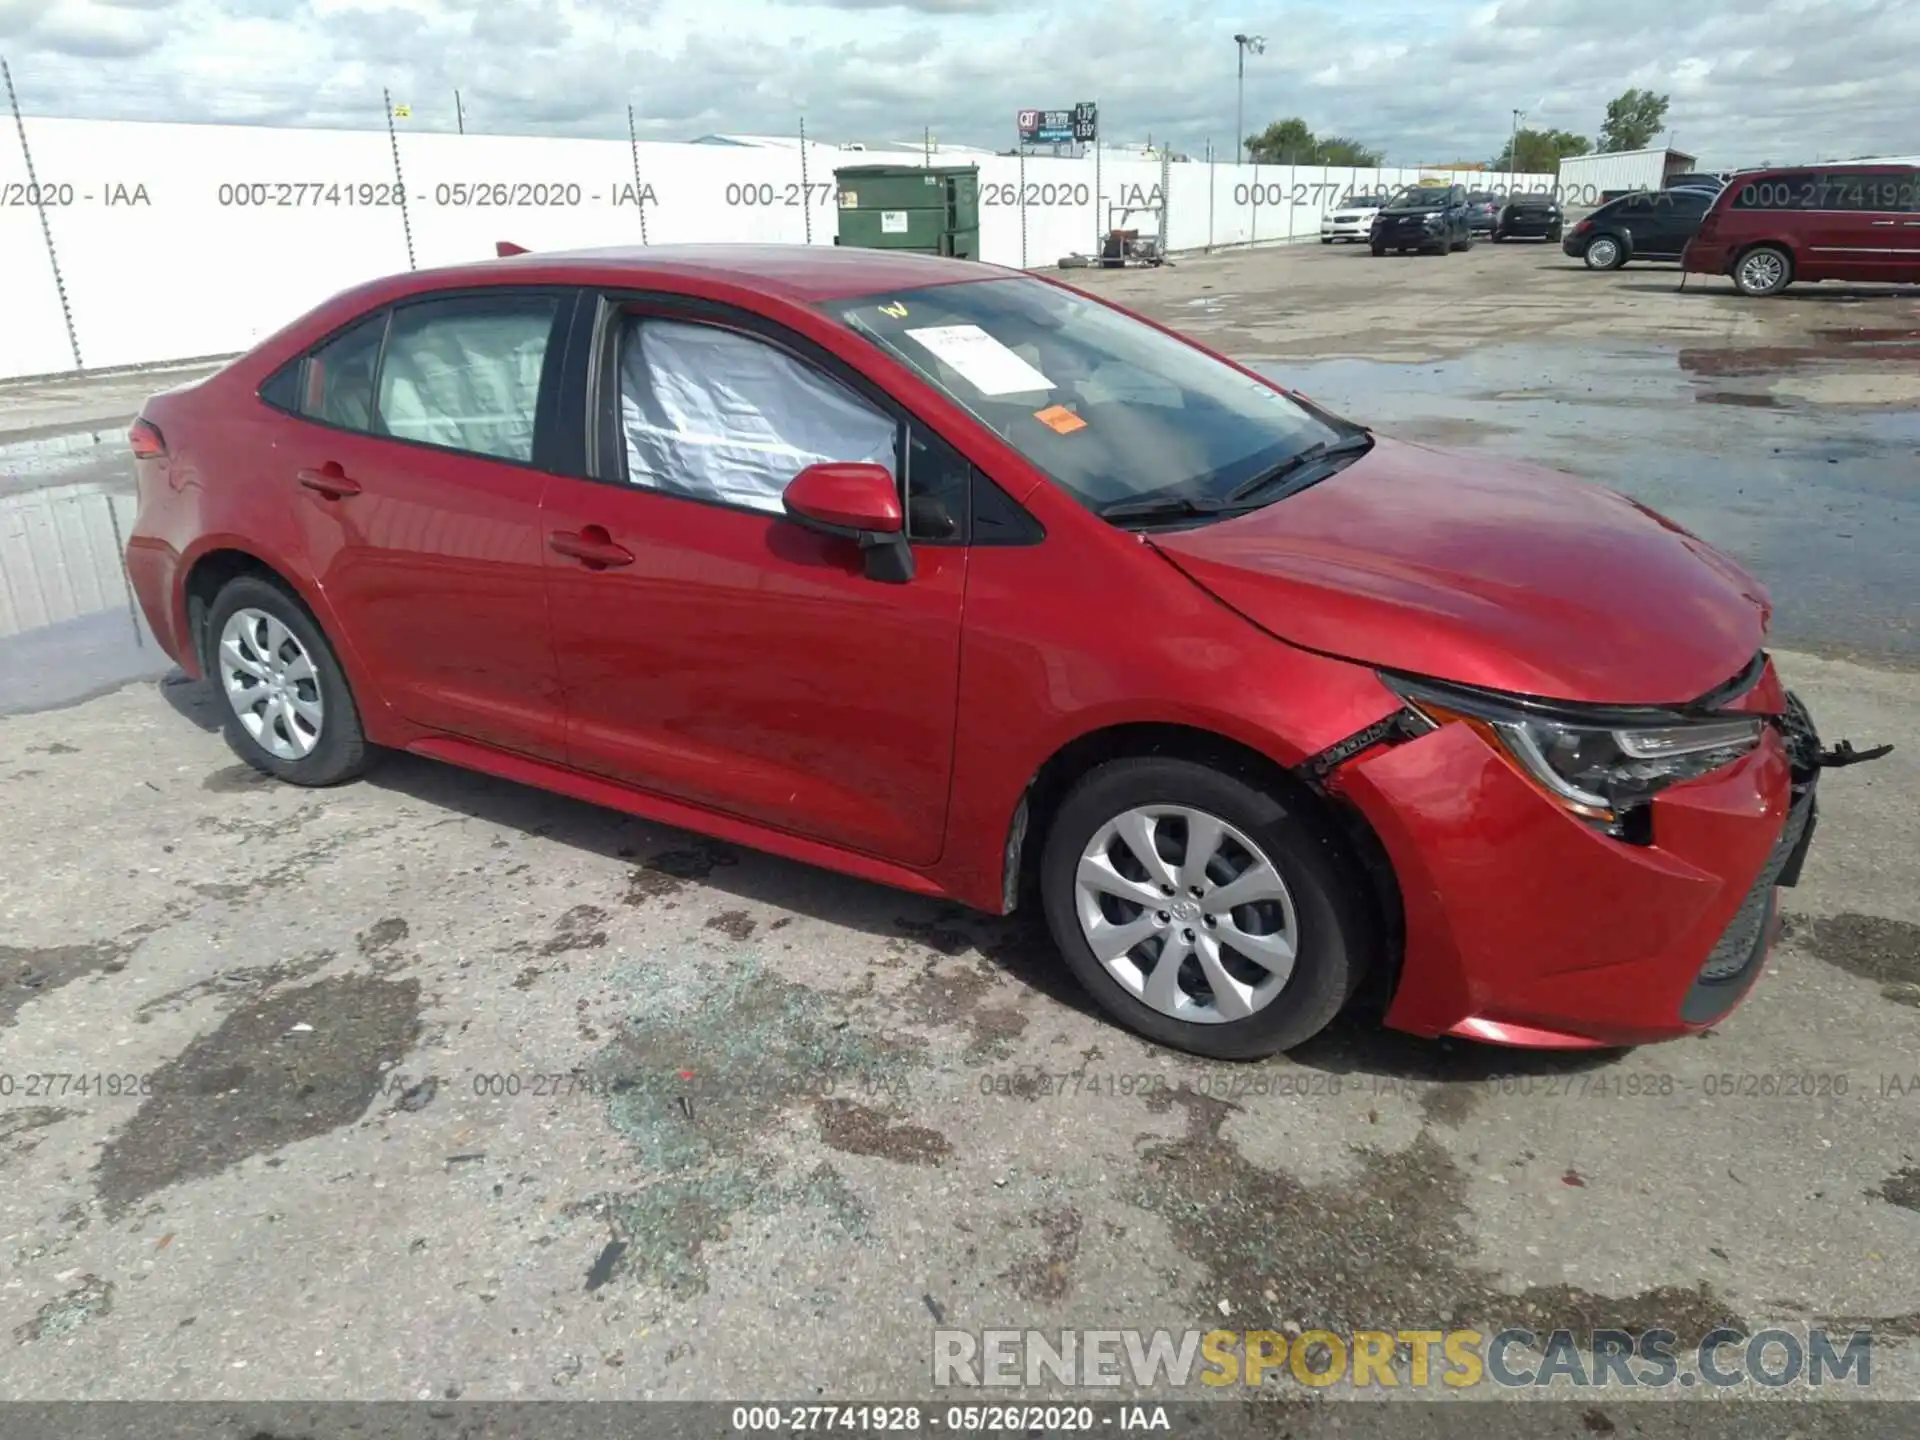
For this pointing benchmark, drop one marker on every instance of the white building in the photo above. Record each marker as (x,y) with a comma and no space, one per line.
(1587,177)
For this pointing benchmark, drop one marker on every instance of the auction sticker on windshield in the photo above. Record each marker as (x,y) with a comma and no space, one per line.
(982,361)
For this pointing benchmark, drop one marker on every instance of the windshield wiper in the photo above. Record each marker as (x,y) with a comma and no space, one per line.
(1160,507)
(1352,444)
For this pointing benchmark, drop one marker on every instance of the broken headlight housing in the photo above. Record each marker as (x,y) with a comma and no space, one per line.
(1601,764)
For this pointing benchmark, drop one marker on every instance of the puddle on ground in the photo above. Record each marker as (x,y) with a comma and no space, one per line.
(1819,499)
(70,627)
(78,455)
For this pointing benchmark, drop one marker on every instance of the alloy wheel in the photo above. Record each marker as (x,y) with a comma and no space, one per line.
(1601,254)
(270,682)
(1762,271)
(1187,913)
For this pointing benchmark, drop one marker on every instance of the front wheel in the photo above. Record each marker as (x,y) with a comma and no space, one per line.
(289,710)
(1763,270)
(1201,911)
(1379,249)
(1326,239)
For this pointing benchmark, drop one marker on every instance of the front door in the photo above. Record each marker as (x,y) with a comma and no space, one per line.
(714,651)
(1670,219)
(419,500)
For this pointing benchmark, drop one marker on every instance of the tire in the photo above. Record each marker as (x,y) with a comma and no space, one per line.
(1326,239)
(1379,249)
(256,623)
(1553,235)
(1321,908)
(1763,270)
(1604,252)
(1495,238)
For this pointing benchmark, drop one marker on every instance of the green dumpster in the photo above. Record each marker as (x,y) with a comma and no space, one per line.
(934,210)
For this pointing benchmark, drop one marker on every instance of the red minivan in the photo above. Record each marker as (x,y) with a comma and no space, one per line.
(1770,228)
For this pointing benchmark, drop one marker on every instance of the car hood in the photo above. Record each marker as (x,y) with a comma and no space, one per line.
(1488,573)
(1420,214)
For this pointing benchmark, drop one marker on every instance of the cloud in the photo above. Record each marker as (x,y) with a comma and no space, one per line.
(1423,80)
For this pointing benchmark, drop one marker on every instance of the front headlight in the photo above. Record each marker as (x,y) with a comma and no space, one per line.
(1600,764)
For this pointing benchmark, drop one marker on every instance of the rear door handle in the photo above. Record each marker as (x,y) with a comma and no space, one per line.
(1885,222)
(330,480)
(592,547)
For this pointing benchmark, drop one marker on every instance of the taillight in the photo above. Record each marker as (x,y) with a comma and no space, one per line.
(1583,227)
(147,442)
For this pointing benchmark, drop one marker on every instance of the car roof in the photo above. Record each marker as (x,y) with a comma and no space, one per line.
(801,273)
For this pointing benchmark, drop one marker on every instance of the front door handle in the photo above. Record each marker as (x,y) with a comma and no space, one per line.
(592,547)
(1885,222)
(330,480)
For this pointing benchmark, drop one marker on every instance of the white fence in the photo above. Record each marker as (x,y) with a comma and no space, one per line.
(175,241)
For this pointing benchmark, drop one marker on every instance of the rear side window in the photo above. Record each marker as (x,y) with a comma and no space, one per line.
(337,387)
(465,373)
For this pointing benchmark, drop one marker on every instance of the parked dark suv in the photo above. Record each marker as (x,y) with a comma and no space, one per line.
(1826,222)
(1424,217)
(1652,226)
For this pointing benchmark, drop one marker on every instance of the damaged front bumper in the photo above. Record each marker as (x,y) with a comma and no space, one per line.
(1524,927)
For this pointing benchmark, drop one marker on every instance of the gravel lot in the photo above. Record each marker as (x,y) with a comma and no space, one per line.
(462,1090)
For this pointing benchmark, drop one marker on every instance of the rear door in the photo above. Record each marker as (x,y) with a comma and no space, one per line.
(418,484)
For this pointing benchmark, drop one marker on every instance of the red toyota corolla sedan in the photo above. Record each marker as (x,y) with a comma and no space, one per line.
(960,580)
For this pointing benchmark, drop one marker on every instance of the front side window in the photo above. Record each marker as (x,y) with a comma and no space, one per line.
(465,372)
(1111,408)
(718,415)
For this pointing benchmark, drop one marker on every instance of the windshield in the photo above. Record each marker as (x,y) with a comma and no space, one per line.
(1421,197)
(1479,197)
(1112,409)
(1365,201)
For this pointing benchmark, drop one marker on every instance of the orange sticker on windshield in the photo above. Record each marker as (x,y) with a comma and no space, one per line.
(1060,419)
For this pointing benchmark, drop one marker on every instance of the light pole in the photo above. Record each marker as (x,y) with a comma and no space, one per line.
(1243,43)
(1513,149)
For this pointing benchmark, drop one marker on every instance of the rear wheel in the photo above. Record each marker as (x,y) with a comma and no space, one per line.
(1763,270)
(1201,911)
(289,711)
(1605,253)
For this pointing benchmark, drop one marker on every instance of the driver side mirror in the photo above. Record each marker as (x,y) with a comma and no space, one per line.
(857,502)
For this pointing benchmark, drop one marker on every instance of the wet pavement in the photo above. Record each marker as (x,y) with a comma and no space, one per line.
(436,1087)
(70,627)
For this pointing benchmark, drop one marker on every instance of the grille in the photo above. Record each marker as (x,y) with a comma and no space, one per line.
(1740,945)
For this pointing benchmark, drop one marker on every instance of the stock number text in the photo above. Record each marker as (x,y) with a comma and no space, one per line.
(767,194)
(299,194)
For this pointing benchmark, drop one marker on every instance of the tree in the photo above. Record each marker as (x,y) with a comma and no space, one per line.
(1291,142)
(1339,150)
(1633,119)
(1538,152)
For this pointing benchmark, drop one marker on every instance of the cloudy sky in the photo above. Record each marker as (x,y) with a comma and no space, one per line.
(1426,80)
